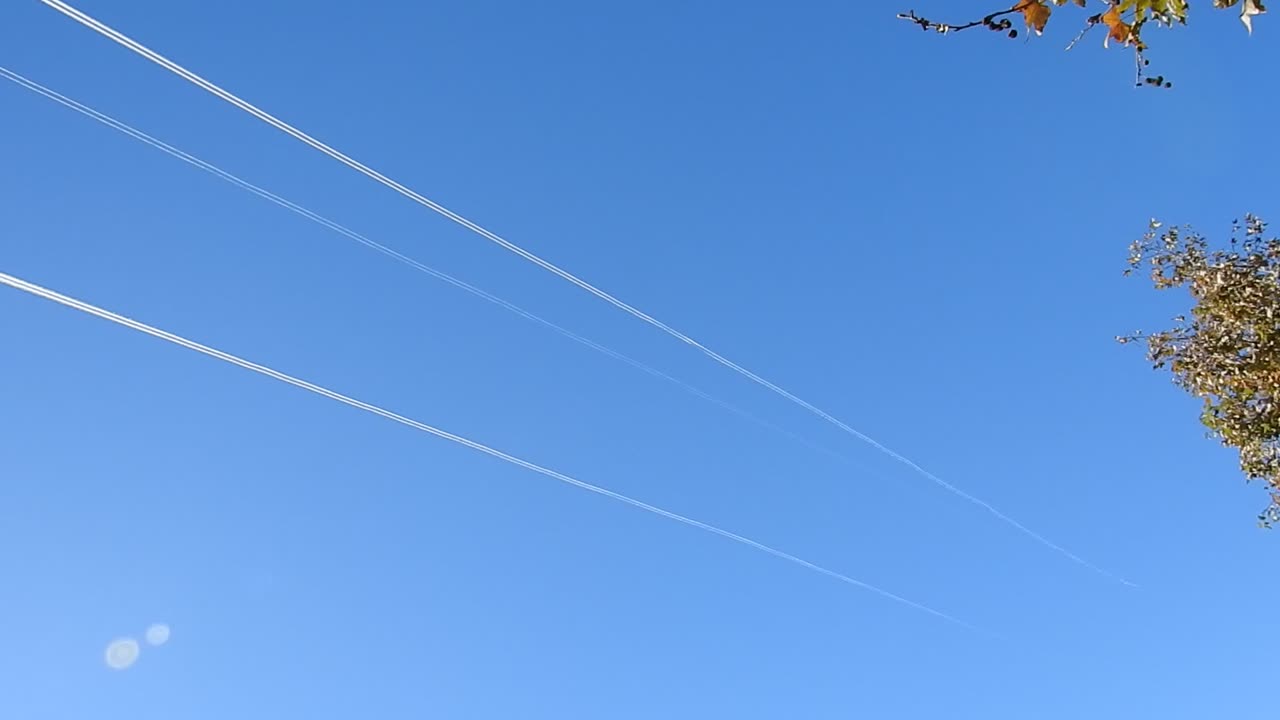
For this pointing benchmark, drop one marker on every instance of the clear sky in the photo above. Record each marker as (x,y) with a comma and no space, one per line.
(922,235)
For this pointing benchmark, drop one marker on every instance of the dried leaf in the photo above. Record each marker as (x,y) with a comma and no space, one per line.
(1117,28)
(1248,10)
(1036,13)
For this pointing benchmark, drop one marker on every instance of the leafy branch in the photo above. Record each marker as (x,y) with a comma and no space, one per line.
(1226,351)
(1124,20)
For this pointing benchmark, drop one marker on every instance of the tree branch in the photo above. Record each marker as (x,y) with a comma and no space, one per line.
(988,21)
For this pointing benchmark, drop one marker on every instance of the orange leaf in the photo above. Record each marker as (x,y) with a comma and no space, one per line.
(1117,28)
(1036,14)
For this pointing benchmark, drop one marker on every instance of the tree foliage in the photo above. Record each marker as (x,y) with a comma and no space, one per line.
(1124,21)
(1227,353)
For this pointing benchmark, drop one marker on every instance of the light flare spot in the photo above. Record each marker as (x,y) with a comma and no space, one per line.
(122,653)
(158,634)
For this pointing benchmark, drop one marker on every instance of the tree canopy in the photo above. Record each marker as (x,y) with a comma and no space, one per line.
(1227,353)
(1124,22)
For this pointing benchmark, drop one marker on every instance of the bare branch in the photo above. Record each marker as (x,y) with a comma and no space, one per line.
(987,21)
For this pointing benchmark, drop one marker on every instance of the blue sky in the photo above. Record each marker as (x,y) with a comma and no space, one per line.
(921,235)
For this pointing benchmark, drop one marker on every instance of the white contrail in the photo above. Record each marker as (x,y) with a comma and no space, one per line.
(243,184)
(84,307)
(164,62)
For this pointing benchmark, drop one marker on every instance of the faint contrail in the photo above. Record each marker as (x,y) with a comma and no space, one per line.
(84,307)
(243,184)
(164,62)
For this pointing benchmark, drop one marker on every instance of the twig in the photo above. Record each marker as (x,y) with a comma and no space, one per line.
(1089,25)
(926,24)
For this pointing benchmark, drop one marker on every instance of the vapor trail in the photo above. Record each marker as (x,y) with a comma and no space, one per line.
(293,207)
(283,126)
(84,307)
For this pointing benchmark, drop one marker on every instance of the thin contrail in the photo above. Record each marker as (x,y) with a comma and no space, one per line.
(164,62)
(84,307)
(291,206)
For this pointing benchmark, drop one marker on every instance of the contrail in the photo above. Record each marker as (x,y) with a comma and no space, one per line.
(164,62)
(243,184)
(84,307)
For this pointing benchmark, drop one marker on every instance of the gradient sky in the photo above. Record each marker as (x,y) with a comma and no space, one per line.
(922,235)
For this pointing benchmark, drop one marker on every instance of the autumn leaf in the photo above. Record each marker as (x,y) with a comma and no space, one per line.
(1036,14)
(1251,8)
(1117,28)
(1248,10)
